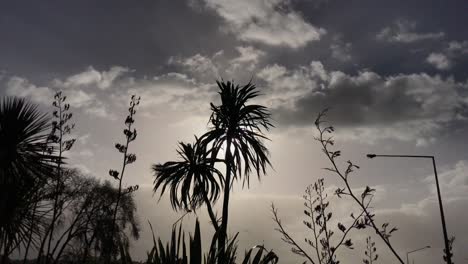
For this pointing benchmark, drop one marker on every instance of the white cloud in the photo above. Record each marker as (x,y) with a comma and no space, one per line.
(439,60)
(208,68)
(453,182)
(270,22)
(100,110)
(446,59)
(93,78)
(84,153)
(248,57)
(175,91)
(77,97)
(403,31)
(198,64)
(288,84)
(460,47)
(21,87)
(272,72)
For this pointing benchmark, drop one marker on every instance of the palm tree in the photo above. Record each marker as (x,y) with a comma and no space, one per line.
(193,181)
(24,166)
(238,127)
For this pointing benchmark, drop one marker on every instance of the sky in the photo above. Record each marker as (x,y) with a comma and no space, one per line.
(394,73)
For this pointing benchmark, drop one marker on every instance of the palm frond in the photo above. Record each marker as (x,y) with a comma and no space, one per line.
(26,162)
(191,180)
(243,125)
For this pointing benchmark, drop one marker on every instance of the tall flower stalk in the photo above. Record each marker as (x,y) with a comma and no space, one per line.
(59,136)
(128,158)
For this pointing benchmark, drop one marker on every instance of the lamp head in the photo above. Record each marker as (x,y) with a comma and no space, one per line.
(371,156)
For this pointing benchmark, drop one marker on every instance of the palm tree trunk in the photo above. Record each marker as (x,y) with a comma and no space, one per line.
(227,191)
(210,212)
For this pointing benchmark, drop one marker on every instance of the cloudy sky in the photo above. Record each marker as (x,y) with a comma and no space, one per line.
(394,72)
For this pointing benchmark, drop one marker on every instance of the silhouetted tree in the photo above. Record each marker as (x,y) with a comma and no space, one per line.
(24,167)
(89,228)
(128,158)
(74,199)
(193,181)
(237,127)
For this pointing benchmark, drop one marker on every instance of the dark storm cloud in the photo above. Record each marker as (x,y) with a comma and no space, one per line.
(56,38)
(433,23)
(413,104)
(48,38)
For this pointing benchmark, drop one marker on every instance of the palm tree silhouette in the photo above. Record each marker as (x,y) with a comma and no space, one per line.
(193,181)
(25,165)
(237,127)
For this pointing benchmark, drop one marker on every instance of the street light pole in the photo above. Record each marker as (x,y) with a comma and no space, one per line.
(407,253)
(442,215)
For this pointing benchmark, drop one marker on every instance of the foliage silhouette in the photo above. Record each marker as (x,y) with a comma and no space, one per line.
(24,167)
(237,127)
(176,251)
(193,181)
(450,250)
(370,252)
(324,243)
(89,229)
(128,158)
(58,137)
(363,200)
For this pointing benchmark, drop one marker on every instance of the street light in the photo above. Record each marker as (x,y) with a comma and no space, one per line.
(442,216)
(407,253)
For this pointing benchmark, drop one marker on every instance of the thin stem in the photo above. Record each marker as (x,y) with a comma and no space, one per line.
(124,164)
(324,143)
(287,238)
(214,221)
(325,220)
(312,219)
(57,187)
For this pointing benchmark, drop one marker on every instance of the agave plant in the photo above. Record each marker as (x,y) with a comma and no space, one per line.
(175,251)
